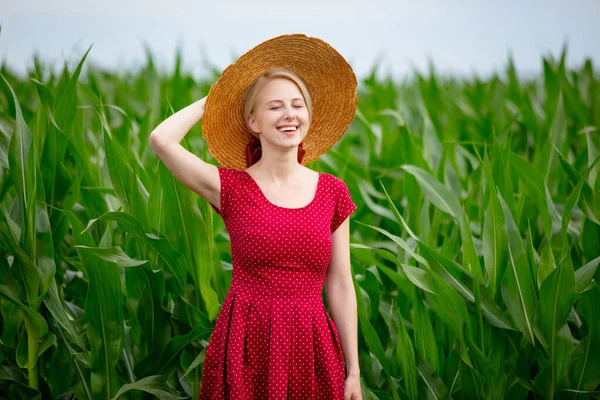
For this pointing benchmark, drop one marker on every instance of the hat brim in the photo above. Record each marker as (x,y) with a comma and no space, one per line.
(328,77)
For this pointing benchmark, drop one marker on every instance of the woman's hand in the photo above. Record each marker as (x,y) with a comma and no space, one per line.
(352,388)
(174,128)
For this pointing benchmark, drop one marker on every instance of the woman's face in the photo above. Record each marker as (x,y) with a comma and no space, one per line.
(280,116)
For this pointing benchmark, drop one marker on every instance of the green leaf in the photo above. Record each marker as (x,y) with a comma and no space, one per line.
(518,291)
(44,241)
(557,136)
(398,216)
(66,105)
(435,192)
(584,275)
(187,229)
(154,321)
(37,327)
(30,275)
(536,185)
(173,259)
(585,189)
(563,347)
(450,307)
(557,296)
(197,361)
(462,281)
(47,100)
(14,384)
(44,344)
(370,335)
(592,154)
(20,147)
(419,277)
(366,191)
(450,271)
(572,202)
(156,385)
(406,358)
(425,343)
(470,257)
(494,241)
(126,184)
(113,254)
(590,236)
(434,386)
(547,264)
(400,242)
(60,315)
(584,392)
(21,156)
(584,368)
(168,358)
(104,312)
(11,318)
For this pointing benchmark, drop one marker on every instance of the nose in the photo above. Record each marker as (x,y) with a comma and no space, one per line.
(289,114)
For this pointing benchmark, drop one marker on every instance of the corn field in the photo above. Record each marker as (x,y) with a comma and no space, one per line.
(475,246)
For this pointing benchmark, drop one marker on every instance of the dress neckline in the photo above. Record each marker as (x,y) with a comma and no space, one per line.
(262,194)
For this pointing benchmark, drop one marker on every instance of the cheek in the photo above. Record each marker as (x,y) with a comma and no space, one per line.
(305,130)
(271,117)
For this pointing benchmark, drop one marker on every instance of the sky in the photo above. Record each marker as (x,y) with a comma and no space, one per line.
(462,37)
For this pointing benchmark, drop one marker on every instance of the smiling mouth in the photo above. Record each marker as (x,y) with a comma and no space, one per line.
(287,129)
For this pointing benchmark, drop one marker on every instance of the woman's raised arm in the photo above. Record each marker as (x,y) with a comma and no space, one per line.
(189,169)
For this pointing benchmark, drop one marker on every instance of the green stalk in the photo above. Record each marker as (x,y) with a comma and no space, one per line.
(31,361)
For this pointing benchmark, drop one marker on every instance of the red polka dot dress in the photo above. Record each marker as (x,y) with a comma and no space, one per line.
(273,338)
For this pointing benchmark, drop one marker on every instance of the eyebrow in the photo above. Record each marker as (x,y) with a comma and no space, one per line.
(281,101)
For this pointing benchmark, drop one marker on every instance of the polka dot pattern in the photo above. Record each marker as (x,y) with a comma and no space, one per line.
(273,338)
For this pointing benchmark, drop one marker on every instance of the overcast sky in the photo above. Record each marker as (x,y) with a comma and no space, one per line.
(459,36)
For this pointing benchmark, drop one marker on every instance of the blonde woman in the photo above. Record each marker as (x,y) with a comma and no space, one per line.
(279,107)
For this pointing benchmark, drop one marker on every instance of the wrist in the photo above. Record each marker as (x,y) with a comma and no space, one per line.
(201,104)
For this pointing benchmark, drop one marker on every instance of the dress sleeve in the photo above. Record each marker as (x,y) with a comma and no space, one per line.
(226,178)
(344,206)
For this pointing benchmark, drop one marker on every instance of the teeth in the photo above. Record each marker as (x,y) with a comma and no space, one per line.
(287,128)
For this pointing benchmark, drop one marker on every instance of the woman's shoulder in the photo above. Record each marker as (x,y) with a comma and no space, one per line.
(332,178)
(333,183)
(230,172)
(230,177)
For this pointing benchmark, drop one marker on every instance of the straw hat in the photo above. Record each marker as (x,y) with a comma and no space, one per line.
(328,77)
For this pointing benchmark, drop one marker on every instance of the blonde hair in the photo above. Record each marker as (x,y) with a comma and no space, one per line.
(259,84)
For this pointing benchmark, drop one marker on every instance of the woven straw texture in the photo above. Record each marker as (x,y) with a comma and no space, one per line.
(330,81)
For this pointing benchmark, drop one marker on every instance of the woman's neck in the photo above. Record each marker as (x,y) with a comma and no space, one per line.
(279,166)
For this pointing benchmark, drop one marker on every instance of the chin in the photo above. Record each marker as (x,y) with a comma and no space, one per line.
(290,145)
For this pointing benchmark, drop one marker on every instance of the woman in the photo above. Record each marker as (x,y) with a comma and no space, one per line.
(288,225)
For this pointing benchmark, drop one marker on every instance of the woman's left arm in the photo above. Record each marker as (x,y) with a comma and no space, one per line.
(341,299)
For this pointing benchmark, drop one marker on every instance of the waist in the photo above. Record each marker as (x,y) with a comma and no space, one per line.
(257,289)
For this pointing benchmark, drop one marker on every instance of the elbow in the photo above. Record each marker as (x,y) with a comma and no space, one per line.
(156,140)
(340,284)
